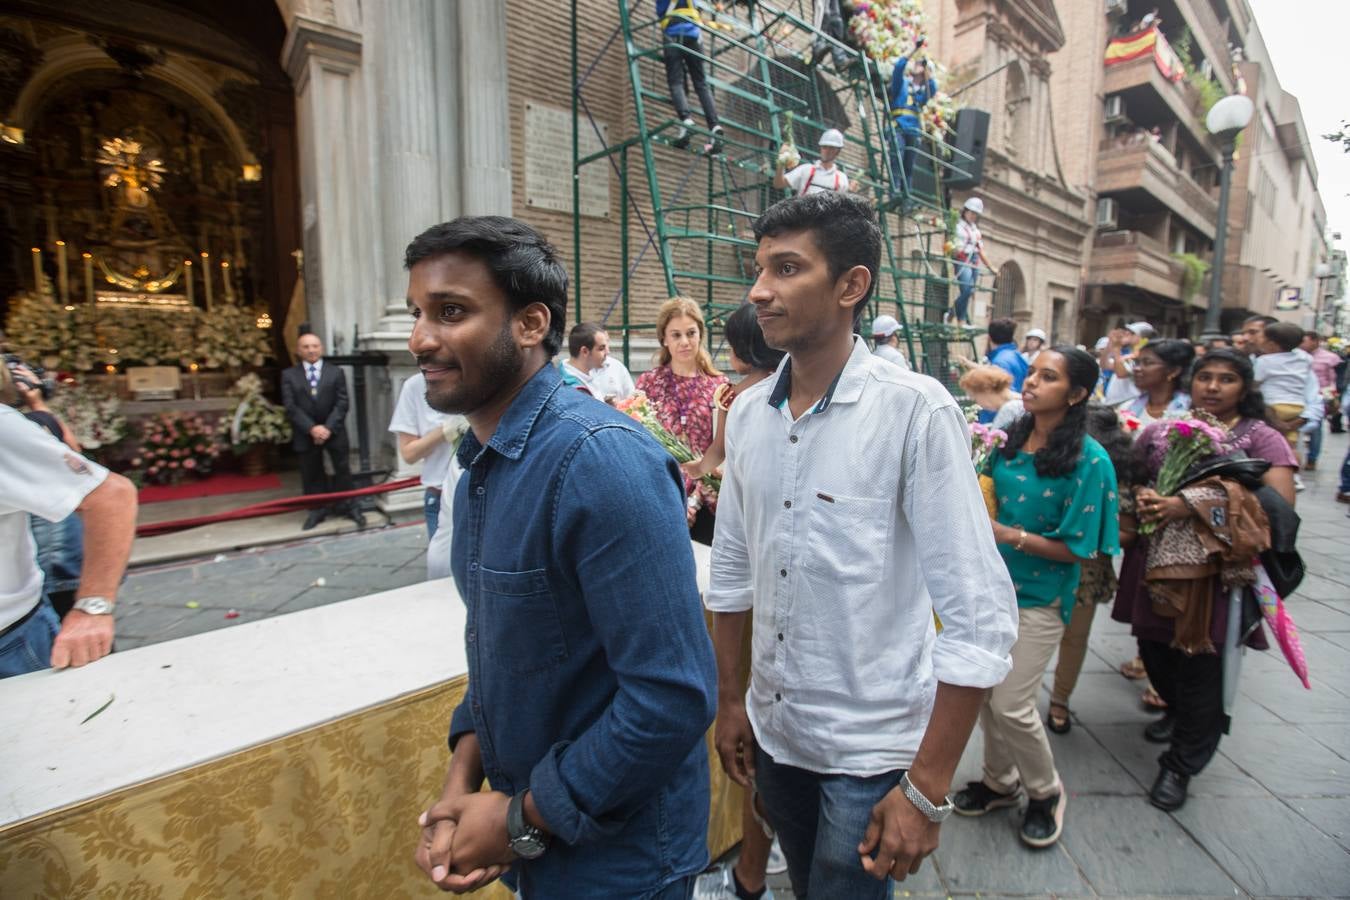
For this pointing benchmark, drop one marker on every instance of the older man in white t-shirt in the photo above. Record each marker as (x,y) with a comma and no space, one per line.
(43,477)
(427,436)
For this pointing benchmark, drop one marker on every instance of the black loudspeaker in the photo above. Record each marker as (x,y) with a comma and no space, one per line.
(972,136)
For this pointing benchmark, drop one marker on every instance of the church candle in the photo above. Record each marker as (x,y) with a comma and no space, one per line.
(37,271)
(206,277)
(88,277)
(187,280)
(62,272)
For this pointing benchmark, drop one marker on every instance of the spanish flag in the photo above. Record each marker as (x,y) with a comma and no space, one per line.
(1150,40)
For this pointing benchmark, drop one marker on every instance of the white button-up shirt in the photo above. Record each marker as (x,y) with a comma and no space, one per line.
(844,531)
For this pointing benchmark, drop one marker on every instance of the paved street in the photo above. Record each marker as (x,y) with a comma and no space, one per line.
(1270,817)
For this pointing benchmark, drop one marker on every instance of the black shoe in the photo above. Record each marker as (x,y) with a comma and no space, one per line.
(1062,726)
(1169,791)
(1160,731)
(977,798)
(714,145)
(314,518)
(684,134)
(1044,821)
(356,516)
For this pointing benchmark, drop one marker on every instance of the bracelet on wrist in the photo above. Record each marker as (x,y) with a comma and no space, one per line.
(1021,540)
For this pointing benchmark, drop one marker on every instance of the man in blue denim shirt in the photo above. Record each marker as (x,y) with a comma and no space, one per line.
(591,675)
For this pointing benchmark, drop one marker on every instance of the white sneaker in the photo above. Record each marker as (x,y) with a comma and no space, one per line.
(777,861)
(684,133)
(717,884)
(1298,484)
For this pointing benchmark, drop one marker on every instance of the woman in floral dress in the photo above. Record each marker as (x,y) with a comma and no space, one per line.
(680,390)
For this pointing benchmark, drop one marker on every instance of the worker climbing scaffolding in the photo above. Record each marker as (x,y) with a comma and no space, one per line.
(792,73)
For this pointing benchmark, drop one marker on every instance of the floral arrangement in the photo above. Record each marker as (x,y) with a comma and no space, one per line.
(1129,421)
(788,157)
(254,419)
(984,440)
(174,446)
(151,338)
(93,415)
(1188,440)
(888,30)
(42,330)
(640,410)
(228,337)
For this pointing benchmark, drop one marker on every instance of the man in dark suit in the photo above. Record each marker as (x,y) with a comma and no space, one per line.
(315,397)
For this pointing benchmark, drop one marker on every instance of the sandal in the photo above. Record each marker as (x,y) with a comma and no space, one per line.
(1152,701)
(1059,724)
(1134,669)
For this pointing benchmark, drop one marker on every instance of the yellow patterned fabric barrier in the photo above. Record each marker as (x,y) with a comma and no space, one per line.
(327,812)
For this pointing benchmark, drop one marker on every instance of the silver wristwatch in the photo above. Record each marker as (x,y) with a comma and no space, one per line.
(923,804)
(95,606)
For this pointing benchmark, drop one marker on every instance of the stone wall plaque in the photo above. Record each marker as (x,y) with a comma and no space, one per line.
(548,162)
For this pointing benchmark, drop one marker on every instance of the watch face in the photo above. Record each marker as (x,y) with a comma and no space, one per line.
(528,846)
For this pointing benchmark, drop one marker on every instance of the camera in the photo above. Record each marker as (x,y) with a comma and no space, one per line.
(42,384)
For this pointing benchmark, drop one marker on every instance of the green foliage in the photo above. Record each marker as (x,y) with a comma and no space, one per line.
(1208,89)
(1193,276)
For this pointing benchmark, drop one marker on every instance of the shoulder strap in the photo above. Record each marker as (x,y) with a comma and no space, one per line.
(810,179)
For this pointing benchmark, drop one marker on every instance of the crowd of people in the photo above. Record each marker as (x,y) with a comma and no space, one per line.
(876,587)
(879,584)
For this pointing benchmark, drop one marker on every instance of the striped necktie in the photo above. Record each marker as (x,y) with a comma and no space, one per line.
(313,381)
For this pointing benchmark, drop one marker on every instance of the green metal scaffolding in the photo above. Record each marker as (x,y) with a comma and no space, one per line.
(696,209)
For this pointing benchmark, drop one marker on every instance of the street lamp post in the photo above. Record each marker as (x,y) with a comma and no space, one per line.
(1225,121)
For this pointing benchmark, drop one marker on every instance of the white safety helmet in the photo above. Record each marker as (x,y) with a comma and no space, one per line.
(975,205)
(1037,333)
(832,137)
(884,326)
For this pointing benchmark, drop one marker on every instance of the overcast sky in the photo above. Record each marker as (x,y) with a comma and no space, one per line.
(1307,43)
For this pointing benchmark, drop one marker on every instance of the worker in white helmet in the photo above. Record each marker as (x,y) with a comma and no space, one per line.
(1032,344)
(886,341)
(968,251)
(822,175)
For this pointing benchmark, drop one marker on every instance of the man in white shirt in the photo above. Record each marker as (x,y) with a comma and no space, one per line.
(587,349)
(612,381)
(44,477)
(886,340)
(849,515)
(422,436)
(822,175)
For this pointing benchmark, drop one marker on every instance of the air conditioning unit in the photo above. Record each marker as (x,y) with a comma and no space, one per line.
(1107,211)
(1117,7)
(1115,109)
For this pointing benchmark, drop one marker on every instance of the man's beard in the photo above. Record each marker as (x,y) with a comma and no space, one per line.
(501,366)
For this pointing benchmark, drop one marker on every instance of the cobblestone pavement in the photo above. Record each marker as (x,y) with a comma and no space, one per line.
(1270,817)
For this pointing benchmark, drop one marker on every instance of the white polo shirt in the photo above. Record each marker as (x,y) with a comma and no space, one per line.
(810,178)
(38,475)
(844,531)
(413,416)
(612,380)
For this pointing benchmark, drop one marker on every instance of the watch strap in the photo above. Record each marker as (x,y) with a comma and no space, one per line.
(94,606)
(515,816)
(923,804)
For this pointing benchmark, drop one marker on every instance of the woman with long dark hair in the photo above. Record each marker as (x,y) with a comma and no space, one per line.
(1055,490)
(1222,385)
(1097,583)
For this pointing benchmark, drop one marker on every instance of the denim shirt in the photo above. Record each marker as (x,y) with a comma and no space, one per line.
(591,673)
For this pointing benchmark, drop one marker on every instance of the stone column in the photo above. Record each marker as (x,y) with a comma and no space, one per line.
(324,62)
(485,108)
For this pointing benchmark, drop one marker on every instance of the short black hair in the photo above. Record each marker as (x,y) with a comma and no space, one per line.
(747,339)
(1312,334)
(524,265)
(1264,320)
(843,226)
(582,337)
(1001,331)
(1285,335)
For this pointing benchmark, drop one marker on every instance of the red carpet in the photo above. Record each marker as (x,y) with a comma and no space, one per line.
(220,483)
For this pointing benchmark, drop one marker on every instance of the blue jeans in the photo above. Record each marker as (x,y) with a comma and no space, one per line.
(1315,444)
(28,648)
(431,509)
(1345,474)
(904,144)
(966,273)
(820,820)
